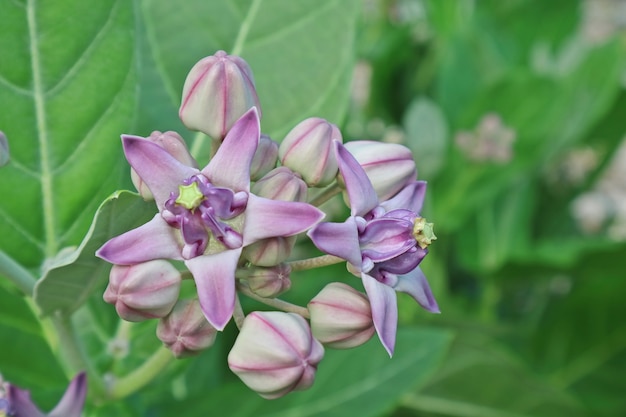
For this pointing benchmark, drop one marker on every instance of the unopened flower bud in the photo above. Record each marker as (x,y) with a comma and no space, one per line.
(264,159)
(389,166)
(4,150)
(275,353)
(218,90)
(143,291)
(279,184)
(341,317)
(175,145)
(185,331)
(270,282)
(308,150)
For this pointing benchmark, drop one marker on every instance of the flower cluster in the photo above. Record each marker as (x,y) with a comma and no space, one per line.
(232,227)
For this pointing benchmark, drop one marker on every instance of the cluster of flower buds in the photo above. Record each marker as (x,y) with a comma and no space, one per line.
(233,226)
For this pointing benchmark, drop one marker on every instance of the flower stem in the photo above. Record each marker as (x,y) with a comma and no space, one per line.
(141,376)
(275,302)
(317,262)
(19,275)
(328,193)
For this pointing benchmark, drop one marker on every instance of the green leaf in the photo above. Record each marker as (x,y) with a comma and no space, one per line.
(301,52)
(427,135)
(71,278)
(363,381)
(67,87)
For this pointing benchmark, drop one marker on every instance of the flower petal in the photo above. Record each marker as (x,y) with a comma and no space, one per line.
(230,167)
(153,240)
(384,310)
(271,218)
(21,404)
(71,405)
(411,197)
(215,281)
(416,285)
(386,238)
(161,172)
(360,191)
(338,239)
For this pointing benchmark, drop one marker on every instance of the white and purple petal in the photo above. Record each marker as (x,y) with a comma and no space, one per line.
(360,191)
(416,285)
(338,239)
(72,402)
(411,197)
(384,310)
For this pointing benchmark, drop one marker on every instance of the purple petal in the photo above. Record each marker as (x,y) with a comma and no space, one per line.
(384,310)
(386,238)
(71,405)
(411,197)
(338,239)
(21,404)
(230,167)
(416,285)
(215,281)
(360,191)
(161,172)
(153,240)
(271,218)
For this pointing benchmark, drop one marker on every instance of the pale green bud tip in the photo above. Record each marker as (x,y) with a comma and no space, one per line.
(423,232)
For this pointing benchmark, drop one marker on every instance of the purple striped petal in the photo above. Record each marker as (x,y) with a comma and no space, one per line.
(338,239)
(161,172)
(411,197)
(386,238)
(230,167)
(384,310)
(416,285)
(360,191)
(153,240)
(71,405)
(215,281)
(271,218)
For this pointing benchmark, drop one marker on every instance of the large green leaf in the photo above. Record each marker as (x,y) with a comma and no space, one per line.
(72,276)
(301,52)
(363,381)
(67,91)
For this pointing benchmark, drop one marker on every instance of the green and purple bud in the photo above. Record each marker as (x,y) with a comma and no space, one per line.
(341,317)
(275,353)
(175,145)
(269,282)
(264,159)
(308,150)
(185,331)
(218,90)
(389,166)
(146,290)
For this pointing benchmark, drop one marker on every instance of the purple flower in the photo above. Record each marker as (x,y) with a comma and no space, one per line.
(206,217)
(71,405)
(383,242)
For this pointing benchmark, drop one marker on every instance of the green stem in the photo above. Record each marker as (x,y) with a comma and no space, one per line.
(326,195)
(312,263)
(19,275)
(275,302)
(141,376)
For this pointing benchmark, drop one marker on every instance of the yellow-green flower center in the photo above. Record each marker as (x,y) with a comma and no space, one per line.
(189,196)
(423,232)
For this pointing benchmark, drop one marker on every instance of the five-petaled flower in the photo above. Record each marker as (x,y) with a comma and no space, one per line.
(206,217)
(383,242)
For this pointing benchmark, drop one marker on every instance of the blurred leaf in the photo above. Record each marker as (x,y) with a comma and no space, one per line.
(67,86)
(72,277)
(362,381)
(427,136)
(281,42)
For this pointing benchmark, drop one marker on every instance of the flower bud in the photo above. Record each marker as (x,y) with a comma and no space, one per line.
(264,159)
(308,150)
(279,184)
(389,166)
(4,149)
(275,353)
(270,282)
(185,331)
(341,317)
(175,145)
(217,92)
(143,291)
